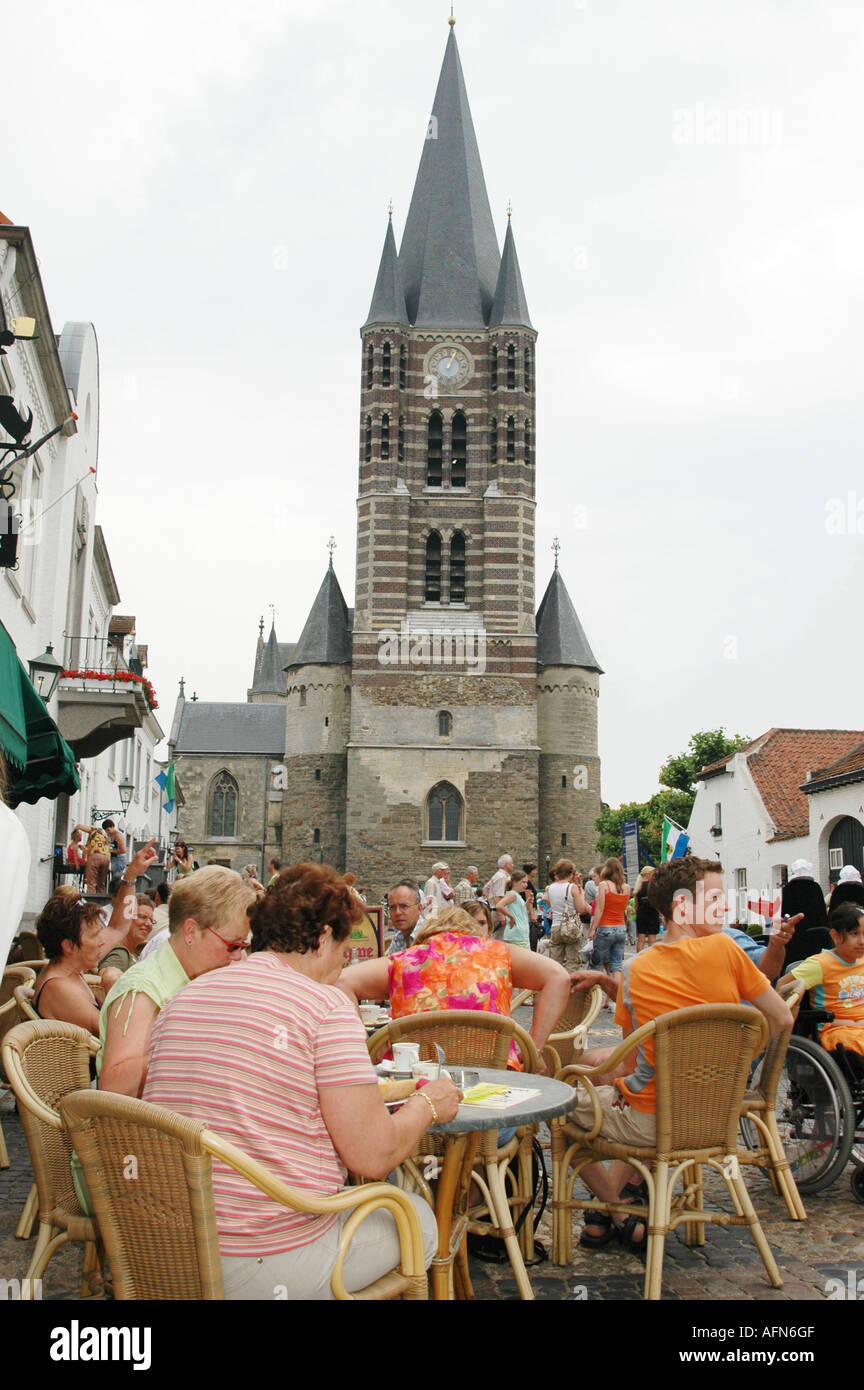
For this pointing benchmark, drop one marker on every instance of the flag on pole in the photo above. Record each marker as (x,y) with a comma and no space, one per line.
(166,781)
(673,841)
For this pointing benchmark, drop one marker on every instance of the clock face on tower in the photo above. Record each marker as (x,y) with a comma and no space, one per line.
(451,366)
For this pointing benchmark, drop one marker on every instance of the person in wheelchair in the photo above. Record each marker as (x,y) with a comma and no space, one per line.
(835,980)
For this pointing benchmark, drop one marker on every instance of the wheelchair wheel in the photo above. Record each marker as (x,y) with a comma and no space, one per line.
(858,1185)
(815,1115)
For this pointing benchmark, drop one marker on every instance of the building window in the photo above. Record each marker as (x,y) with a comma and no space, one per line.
(370,366)
(302,696)
(326,721)
(563,781)
(433,568)
(403,367)
(493,444)
(445,724)
(223,807)
(529,376)
(435,463)
(511,439)
(457,568)
(494,369)
(835,859)
(459,448)
(316,837)
(400,445)
(527,443)
(385,436)
(511,368)
(444,814)
(385,365)
(740,894)
(563,841)
(718,815)
(367,439)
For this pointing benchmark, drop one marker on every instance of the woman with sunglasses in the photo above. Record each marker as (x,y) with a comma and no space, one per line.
(208,928)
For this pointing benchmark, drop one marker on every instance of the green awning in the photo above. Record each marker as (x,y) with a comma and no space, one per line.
(40,762)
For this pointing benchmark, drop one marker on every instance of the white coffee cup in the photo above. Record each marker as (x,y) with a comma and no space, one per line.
(369,1013)
(430,1071)
(405,1058)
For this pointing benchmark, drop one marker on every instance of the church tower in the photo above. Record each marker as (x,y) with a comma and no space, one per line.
(443,757)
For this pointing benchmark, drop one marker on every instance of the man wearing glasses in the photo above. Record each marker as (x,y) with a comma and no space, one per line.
(208,927)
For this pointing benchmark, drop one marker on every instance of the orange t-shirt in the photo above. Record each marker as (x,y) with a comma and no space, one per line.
(676,975)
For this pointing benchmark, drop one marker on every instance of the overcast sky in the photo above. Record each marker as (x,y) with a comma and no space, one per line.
(208,184)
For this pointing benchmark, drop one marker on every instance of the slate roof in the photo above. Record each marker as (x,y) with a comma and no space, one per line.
(388,297)
(449,258)
(779,762)
(510,306)
(561,639)
(269,676)
(237,729)
(326,640)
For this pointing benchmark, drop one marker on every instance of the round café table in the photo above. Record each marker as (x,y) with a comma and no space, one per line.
(461,1142)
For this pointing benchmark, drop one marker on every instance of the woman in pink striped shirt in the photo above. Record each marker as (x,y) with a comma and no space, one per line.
(273,1057)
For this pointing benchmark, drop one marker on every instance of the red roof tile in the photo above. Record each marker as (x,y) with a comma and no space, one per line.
(779,762)
(844,767)
(5,221)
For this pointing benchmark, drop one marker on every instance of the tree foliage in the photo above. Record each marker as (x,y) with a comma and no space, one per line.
(678,777)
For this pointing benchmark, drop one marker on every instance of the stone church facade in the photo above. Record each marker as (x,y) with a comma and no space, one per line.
(441,717)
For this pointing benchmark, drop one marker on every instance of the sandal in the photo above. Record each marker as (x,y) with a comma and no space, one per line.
(636,1192)
(625,1231)
(604,1221)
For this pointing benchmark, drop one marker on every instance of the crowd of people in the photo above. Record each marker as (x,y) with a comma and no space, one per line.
(231,998)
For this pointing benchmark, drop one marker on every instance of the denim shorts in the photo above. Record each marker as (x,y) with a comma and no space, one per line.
(609,948)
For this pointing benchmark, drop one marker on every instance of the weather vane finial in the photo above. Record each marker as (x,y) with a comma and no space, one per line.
(390,209)
(261,628)
(183,686)
(331,546)
(556,548)
(451,21)
(272,608)
(509,209)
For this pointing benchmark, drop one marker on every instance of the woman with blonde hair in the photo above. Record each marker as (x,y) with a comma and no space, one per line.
(647,916)
(453,964)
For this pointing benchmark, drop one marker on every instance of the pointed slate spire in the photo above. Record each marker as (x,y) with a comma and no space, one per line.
(326,639)
(269,679)
(561,639)
(259,654)
(388,297)
(449,258)
(510,307)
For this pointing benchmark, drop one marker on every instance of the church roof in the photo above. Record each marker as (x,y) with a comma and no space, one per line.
(510,307)
(218,728)
(269,677)
(561,639)
(449,258)
(326,640)
(388,297)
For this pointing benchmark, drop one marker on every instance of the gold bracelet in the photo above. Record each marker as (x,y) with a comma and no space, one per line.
(423,1096)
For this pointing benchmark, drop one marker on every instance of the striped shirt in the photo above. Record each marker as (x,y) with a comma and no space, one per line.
(247,1050)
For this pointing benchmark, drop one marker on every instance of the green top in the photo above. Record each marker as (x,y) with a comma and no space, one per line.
(160,976)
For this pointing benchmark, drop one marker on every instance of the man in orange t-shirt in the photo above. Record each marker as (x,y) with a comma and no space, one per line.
(693,963)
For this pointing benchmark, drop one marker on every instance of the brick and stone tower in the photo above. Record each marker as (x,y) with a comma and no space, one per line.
(318,701)
(443,755)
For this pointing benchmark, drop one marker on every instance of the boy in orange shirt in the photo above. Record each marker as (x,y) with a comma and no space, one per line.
(693,963)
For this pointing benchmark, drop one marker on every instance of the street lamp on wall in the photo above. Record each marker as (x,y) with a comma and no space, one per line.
(127,791)
(45,671)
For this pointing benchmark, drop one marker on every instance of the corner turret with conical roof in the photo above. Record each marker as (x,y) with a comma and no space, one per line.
(510,305)
(568,689)
(388,297)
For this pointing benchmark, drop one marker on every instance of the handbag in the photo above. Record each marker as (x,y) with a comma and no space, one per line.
(572,931)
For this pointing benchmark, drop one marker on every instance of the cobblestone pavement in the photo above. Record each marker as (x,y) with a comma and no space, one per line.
(728,1267)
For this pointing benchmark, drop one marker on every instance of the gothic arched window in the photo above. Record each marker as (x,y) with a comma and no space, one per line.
(367,439)
(445,724)
(444,815)
(527,442)
(529,376)
(494,369)
(385,436)
(385,365)
(511,439)
(457,568)
(433,568)
(459,451)
(511,368)
(222,820)
(493,443)
(370,366)
(403,367)
(400,446)
(435,456)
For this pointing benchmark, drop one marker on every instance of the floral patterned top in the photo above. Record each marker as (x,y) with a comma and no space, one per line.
(453,971)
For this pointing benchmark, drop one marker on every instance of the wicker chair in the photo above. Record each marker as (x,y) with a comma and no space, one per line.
(471,1038)
(28,947)
(10,1014)
(44,1061)
(566,1042)
(702,1061)
(159,1224)
(759,1108)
